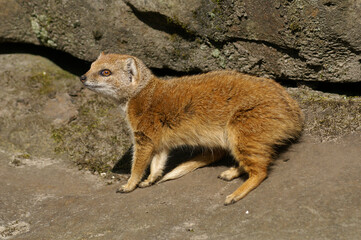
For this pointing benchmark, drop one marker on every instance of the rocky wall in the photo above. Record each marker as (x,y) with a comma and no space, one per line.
(283,39)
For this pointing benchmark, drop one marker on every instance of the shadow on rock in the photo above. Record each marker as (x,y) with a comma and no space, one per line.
(124,165)
(175,158)
(186,153)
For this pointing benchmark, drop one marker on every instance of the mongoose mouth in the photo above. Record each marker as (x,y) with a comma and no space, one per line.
(93,86)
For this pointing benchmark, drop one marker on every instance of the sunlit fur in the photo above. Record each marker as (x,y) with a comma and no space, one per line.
(222,111)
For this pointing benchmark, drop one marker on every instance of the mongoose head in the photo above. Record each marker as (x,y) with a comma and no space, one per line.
(119,77)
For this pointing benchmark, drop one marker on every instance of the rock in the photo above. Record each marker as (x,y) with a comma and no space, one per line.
(45,113)
(60,110)
(283,39)
(14,228)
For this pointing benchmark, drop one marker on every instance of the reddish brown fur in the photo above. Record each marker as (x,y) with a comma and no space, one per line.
(225,111)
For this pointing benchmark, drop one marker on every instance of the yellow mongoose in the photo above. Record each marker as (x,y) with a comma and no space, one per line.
(222,111)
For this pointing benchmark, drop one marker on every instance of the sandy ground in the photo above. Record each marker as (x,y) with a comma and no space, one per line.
(313,192)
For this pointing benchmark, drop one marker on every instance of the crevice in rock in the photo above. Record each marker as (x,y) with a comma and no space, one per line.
(257,64)
(343,88)
(78,67)
(167,72)
(315,68)
(163,23)
(292,52)
(64,60)
(348,46)
(329,4)
(350,89)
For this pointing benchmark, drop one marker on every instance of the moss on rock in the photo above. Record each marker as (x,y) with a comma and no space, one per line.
(328,116)
(97,139)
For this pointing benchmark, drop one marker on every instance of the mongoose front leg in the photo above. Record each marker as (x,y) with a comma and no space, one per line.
(141,159)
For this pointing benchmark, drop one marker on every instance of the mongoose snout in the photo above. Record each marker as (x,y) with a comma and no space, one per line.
(223,112)
(83,78)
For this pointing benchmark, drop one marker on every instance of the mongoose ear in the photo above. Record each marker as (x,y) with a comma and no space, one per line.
(131,68)
(101,54)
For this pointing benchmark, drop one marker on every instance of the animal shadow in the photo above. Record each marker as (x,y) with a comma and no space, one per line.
(175,158)
(185,153)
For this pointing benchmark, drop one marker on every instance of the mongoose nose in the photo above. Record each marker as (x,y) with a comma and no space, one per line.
(83,78)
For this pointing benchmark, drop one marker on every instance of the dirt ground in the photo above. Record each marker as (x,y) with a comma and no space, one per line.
(313,192)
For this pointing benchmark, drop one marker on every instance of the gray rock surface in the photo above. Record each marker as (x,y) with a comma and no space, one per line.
(284,39)
(60,110)
(312,192)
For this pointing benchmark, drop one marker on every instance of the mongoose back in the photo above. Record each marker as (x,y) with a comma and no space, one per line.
(221,111)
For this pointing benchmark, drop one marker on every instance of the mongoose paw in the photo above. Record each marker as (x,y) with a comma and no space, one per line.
(230,199)
(125,189)
(145,183)
(224,177)
(230,174)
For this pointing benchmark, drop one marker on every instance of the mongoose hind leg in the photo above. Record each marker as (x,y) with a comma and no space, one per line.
(191,165)
(156,169)
(257,173)
(251,135)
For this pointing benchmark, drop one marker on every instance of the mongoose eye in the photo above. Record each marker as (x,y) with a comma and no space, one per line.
(105,72)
